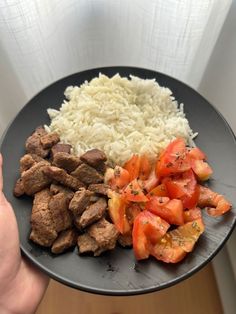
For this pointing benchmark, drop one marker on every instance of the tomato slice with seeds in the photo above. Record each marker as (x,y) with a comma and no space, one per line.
(202,169)
(159,190)
(192,214)
(145,167)
(183,187)
(174,159)
(134,193)
(147,229)
(174,245)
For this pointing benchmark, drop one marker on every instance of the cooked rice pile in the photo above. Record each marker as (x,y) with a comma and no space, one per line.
(120,117)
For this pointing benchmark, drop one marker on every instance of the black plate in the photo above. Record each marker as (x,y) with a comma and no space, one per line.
(117,272)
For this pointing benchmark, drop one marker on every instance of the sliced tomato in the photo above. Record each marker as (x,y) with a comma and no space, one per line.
(170,210)
(117,211)
(174,159)
(133,166)
(147,229)
(117,178)
(202,169)
(196,153)
(183,187)
(159,190)
(145,167)
(192,214)
(174,245)
(134,193)
(132,211)
(151,182)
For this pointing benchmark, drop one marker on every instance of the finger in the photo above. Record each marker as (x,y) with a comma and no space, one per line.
(1,177)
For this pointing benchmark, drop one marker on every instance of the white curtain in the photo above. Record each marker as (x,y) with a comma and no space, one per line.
(44,40)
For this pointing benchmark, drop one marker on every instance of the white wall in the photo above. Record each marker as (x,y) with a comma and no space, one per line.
(219,87)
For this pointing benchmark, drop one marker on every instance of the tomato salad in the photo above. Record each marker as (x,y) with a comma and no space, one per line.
(159,205)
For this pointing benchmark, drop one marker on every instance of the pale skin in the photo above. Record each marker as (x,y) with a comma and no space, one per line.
(22,286)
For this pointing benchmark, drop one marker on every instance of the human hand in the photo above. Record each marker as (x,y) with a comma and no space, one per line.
(21,285)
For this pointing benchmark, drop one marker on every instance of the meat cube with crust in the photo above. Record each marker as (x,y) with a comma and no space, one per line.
(87,244)
(19,188)
(49,139)
(43,229)
(57,188)
(99,188)
(80,201)
(29,160)
(59,208)
(65,241)
(93,213)
(94,157)
(66,161)
(104,233)
(34,179)
(33,143)
(60,175)
(59,147)
(87,174)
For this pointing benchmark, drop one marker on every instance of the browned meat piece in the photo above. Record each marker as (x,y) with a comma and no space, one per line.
(57,188)
(34,179)
(58,206)
(43,228)
(60,175)
(33,143)
(49,139)
(94,157)
(99,188)
(29,160)
(87,174)
(125,240)
(104,233)
(80,201)
(66,161)
(101,167)
(65,240)
(87,244)
(93,213)
(63,148)
(19,188)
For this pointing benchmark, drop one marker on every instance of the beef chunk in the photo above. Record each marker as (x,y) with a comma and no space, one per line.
(93,213)
(104,233)
(60,175)
(57,188)
(33,143)
(34,179)
(94,157)
(19,188)
(29,160)
(43,229)
(125,240)
(87,174)
(66,161)
(87,244)
(80,201)
(63,148)
(101,167)
(65,240)
(49,139)
(40,131)
(99,188)
(58,206)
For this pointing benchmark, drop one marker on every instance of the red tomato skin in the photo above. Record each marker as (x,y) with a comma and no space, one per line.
(192,214)
(159,190)
(174,159)
(147,229)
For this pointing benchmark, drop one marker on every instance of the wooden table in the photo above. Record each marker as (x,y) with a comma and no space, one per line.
(196,295)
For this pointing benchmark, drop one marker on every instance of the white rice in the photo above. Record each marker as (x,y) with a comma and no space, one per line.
(120,117)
